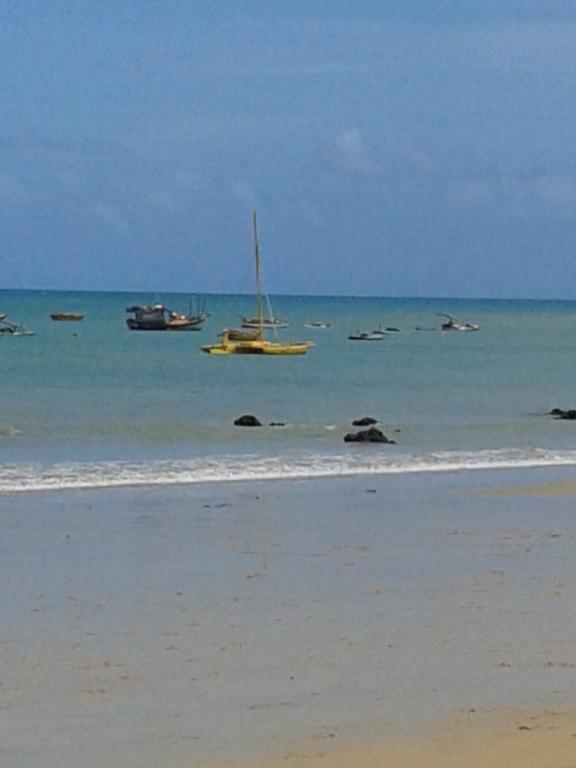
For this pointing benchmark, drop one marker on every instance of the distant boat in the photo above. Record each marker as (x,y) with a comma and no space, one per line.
(364,336)
(378,332)
(252,341)
(316,324)
(241,334)
(69,317)
(451,324)
(13,329)
(157,317)
(267,322)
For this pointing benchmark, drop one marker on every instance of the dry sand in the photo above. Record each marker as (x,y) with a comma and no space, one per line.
(421,622)
(503,739)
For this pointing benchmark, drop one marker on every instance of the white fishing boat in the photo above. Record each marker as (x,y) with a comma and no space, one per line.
(365,336)
(13,329)
(452,324)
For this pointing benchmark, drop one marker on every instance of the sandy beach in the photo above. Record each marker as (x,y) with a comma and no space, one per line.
(375,621)
(500,739)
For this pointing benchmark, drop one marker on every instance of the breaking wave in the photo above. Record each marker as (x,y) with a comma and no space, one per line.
(69,475)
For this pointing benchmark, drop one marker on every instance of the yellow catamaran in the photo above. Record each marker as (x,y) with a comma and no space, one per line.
(235,342)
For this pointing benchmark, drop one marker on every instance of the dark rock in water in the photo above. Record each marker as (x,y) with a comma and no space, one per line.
(569,415)
(371,435)
(277,424)
(365,422)
(247,421)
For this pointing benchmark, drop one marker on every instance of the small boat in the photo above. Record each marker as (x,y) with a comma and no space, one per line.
(451,324)
(157,317)
(256,346)
(317,324)
(13,329)
(68,317)
(240,334)
(378,332)
(252,341)
(270,322)
(364,336)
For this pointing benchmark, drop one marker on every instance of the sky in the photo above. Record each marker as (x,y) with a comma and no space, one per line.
(389,147)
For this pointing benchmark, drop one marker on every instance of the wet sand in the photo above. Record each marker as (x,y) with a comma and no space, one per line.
(367,621)
(552,489)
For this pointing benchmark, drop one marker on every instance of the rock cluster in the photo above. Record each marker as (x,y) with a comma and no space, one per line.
(367,421)
(251,421)
(371,435)
(247,421)
(569,415)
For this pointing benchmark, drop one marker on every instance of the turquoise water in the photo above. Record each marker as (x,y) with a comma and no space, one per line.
(94,404)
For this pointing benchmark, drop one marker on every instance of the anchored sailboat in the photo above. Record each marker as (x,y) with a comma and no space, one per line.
(235,342)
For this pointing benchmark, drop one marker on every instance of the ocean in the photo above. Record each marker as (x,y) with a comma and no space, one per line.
(93,404)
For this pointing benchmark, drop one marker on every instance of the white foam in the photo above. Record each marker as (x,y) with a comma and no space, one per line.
(26,477)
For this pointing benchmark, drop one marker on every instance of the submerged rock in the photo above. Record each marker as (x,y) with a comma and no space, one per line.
(569,415)
(364,422)
(371,435)
(277,424)
(247,421)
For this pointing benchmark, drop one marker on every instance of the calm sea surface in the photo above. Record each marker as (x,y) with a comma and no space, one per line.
(93,404)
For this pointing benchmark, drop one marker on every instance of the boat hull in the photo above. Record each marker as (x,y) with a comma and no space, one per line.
(67,317)
(145,325)
(254,322)
(260,347)
(367,337)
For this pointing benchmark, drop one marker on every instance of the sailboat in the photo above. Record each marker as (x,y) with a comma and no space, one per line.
(267,322)
(253,342)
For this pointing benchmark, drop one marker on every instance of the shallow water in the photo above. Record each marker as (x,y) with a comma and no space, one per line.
(94,404)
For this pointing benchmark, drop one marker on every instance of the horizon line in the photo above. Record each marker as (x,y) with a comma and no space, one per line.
(289,295)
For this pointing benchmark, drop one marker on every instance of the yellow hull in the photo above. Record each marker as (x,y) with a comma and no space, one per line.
(258,347)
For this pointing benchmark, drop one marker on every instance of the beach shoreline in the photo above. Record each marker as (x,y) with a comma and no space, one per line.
(223,623)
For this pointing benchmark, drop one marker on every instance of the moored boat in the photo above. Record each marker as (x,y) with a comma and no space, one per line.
(256,346)
(270,322)
(157,317)
(451,324)
(240,334)
(13,329)
(253,342)
(364,336)
(69,317)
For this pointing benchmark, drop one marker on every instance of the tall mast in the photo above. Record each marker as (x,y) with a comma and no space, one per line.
(258,285)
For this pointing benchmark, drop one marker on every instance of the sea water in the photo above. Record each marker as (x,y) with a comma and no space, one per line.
(93,404)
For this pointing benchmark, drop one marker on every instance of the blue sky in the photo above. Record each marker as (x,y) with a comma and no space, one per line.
(390,147)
